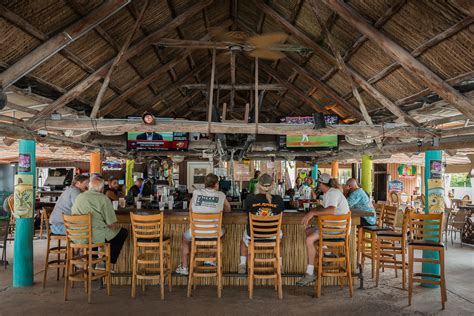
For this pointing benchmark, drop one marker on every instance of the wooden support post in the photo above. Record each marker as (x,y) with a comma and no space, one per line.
(211,91)
(116,62)
(256,95)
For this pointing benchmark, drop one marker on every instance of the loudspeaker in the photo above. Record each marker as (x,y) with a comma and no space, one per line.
(319,121)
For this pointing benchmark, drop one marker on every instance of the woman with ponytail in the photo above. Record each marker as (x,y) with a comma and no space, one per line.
(263,203)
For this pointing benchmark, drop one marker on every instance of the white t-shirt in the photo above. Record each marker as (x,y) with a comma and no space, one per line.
(334,197)
(207,201)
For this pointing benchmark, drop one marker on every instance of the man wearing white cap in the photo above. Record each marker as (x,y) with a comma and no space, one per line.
(334,203)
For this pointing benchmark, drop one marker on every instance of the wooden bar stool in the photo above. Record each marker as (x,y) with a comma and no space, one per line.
(206,246)
(151,251)
(60,250)
(333,234)
(45,213)
(361,234)
(391,243)
(81,267)
(368,236)
(425,234)
(264,251)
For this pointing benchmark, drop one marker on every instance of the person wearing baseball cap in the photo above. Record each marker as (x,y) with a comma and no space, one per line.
(263,203)
(334,203)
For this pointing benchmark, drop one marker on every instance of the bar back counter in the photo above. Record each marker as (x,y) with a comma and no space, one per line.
(177,221)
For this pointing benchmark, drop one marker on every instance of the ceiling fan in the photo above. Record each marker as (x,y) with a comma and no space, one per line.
(269,46)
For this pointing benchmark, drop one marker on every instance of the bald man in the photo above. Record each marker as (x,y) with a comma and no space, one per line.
(359,200)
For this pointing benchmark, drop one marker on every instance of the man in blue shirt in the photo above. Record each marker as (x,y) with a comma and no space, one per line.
(359,200)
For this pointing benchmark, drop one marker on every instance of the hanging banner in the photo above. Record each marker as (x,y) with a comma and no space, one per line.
(435,196)
(24,197)
(24,163)
(436,169)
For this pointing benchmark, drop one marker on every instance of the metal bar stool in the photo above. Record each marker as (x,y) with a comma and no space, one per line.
(206,246)
(391,243)
(82,267)
(264,251)
(333,234)
(60,250)
(151,251)
(425,234)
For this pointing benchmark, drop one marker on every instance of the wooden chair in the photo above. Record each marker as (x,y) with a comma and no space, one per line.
(391,243)
(333,234)
(151,251)
(81,267)
(264,251)
(379,207)
(426,234)
(368,236)
(60,250)
(206,246)
(45,213)
(11,226)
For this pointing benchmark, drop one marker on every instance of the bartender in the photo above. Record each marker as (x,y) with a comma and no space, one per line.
(299,186)
(114,192)
(134,191)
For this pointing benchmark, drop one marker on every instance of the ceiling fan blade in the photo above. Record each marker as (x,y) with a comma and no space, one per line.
(268,39)
(266,54)
(229,36)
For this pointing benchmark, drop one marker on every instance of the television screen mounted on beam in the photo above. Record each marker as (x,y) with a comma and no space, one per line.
(152,141)
(309,142)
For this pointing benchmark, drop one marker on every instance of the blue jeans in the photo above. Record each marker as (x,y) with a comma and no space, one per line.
(57,229)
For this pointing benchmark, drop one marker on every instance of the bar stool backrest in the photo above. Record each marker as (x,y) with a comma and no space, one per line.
(379,207)
(334,226)
(389,216)
(78,228)
(205,225)
(265,227)
(426,226)
(147,226)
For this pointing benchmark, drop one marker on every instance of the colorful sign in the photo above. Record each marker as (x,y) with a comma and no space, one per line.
(395,186)
(435,196)
(24,163)
(406,171)
(24,197)
(436,169)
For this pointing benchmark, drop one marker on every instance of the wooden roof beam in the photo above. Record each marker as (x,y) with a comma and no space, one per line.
(408,62)
(71,33)
(131,52)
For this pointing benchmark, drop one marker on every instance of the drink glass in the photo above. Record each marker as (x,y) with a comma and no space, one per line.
(139,204)
(121,202)
(185,205)
(162,206)
(115,204)
(306,207)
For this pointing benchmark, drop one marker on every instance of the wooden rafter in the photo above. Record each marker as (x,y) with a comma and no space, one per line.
(59,41)
(131,52)
(408,62)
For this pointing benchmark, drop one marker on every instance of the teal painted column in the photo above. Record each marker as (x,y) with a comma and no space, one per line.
(430,267)
(315,172)
(23,248)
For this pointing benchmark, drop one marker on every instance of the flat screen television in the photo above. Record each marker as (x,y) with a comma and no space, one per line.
(308,142)
(152,141)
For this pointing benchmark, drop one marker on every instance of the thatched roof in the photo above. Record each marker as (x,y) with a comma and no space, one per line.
(438,34)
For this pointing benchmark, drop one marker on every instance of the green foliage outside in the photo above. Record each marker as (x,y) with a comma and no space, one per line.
(460,180)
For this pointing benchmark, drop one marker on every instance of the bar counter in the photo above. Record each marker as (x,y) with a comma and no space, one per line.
(177,221)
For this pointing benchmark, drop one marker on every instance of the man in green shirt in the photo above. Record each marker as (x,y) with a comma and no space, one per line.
(253,182)
(103,217)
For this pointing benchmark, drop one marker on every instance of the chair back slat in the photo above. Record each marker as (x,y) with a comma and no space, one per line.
(147,226)
(426,226)
(265,227)
(204,225)
(78,228)
(379,208)
(389,216)
(334,226)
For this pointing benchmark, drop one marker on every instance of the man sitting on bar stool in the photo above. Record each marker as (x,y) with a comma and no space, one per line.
(64,203)
(103,217)
(334,203)
(134,191)
(359,200)
(263,203)
(205,201)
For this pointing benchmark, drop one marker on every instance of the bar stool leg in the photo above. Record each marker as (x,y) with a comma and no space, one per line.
(410,274)
(169,265)
(108,268)
(219,269)
(162,274)
(191,269)
(404,272)
(348,268)
(66,280)
(444,296)
(46,264)
(278,255)
(251,270)
(89,277)
(359,245)
(134,271)
(373,237)
(320,270)
(377,273)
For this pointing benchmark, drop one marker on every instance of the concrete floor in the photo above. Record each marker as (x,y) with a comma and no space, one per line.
(387,299)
